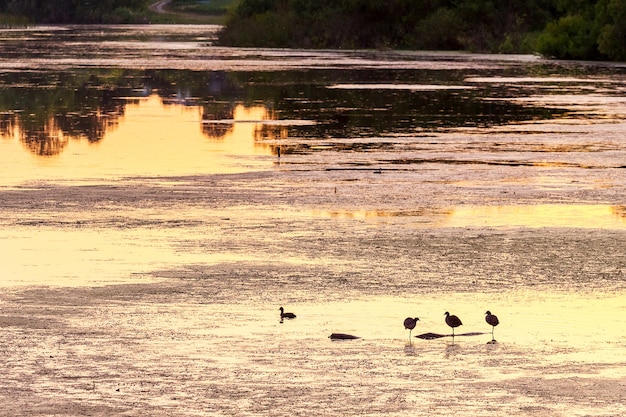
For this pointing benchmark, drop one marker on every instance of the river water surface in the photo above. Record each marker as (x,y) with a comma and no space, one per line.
(161,198)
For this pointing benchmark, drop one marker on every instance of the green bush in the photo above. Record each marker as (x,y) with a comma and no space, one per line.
(571,37)
(8,21)
(439,30)
(250,8)
(612,38)
(481,25)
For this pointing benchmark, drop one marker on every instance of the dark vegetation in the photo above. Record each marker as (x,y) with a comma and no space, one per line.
(569,29)
(565,29)
(22,12)
(72,11)
(202,7)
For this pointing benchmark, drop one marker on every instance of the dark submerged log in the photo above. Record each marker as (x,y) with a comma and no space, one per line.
(342,336)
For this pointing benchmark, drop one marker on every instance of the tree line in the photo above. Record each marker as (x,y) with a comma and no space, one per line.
(565,29)
(72,11)
(24,12)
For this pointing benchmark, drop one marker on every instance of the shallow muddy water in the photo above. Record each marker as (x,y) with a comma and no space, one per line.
(161,198)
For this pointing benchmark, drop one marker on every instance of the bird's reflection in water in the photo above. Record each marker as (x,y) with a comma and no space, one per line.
(409,349)
(452,350)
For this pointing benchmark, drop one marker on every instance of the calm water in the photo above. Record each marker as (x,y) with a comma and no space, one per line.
(160,198)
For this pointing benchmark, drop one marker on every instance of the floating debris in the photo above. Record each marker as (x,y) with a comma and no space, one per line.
(342,336)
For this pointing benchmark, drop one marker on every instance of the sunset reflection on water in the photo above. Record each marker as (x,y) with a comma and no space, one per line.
(542,215)
(152,138)
(593,216)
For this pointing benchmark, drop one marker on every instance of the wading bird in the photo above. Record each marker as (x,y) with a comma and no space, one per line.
(284,315)
(452,321)
(492,319)
(410,323)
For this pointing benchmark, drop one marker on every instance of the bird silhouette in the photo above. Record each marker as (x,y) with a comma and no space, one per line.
(492,320)
(452,321)
(409,323)
(284,315)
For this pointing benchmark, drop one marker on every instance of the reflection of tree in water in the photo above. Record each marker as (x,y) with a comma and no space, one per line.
(218,121)
(94,120)
(8,124)
(51,136)
(216,130)
(86,104)
(45,139)
(215,121)
(46,111)
(44,144)
(619,211)
(270,132)
(273,134)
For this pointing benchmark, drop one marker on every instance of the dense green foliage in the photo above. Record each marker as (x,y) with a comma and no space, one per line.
(202,7)
(74,11)
(572,29)
(587,30)
(23,12)
(566,29)
(493,25)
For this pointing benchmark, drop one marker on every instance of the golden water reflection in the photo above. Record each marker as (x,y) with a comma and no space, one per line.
(152,138)
(542,215)
(593,216)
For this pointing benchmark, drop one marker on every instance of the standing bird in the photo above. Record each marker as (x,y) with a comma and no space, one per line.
(410,323)
(492,320)
(284,315)
(452,321)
